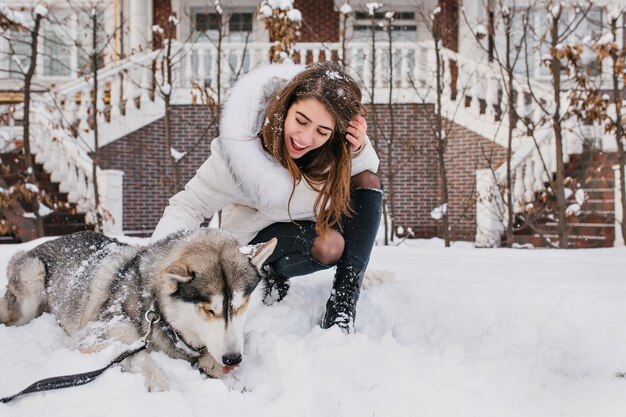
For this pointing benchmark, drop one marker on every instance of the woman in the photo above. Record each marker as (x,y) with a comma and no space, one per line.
(292,161)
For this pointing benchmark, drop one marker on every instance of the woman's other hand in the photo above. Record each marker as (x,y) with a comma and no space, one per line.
(356,133)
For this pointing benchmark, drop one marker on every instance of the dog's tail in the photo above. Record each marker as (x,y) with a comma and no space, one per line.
(25,292)
(4,311)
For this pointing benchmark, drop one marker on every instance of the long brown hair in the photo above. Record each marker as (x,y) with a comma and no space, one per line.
(326,169)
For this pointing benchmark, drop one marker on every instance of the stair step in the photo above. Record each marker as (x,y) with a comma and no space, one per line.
(599,205)
(606,217)
(600,193)
(600,183)
(574,242)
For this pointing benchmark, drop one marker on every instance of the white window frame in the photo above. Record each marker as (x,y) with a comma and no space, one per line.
(42,72)
(539,20)
(225,17)
(353,23)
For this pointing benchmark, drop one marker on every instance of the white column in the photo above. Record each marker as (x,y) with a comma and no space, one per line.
(476,14)
(619,210)
(112,199)
(140,23)
(489,210)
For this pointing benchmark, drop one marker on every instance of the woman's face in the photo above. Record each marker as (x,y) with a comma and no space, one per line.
(308,126)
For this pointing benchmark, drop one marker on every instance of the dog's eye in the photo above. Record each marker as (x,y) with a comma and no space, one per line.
(209,311)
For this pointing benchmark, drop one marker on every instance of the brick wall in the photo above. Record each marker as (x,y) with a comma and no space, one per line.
(414,164)
(466,152)
(449,19)
(161,11)
(147,172)
(320,21)
(147,179)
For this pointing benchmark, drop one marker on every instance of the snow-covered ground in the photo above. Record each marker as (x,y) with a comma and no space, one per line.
(456,332)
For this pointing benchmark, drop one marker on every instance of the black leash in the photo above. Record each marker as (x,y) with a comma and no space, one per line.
(76,380)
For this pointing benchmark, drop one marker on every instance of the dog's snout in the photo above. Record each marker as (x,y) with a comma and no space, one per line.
(231,359)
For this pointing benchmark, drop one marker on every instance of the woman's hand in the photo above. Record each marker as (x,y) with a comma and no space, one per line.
(356,133)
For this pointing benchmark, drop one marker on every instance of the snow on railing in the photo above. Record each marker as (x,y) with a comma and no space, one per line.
(473,95)
(59,115)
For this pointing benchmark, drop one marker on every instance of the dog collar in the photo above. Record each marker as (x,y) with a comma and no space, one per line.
(176,339)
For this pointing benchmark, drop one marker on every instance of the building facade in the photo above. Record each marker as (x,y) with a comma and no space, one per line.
(215,45)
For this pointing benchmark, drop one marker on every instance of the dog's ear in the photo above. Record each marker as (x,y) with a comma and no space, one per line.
(175,273)
(259,253)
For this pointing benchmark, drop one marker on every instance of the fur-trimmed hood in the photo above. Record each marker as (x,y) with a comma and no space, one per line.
(259,175)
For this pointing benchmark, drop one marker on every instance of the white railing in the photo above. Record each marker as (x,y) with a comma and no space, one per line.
(473,97)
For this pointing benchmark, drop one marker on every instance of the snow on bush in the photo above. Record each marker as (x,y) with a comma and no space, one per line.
(345,9)
(439,212)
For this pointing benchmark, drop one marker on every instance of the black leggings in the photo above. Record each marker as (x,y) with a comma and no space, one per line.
(292,256)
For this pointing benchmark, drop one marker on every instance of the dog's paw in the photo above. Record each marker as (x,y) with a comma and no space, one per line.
(156,383)
(210,367)
(154,380)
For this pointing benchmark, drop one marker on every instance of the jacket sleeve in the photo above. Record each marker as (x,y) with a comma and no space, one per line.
(210,190)
(366,159)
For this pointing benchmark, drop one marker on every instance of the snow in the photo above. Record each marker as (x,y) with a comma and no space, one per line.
(372,7)
(44,210)
(177,155)
(440,332)
(266,11)
(438,212)
(345,9)
(285,4)
(41,10)
(333,75)
(572,210)
(580,196)
(294,15)
(12,15)
(31,187)
(606,39)
(614,11)
(480,31)
(555,10)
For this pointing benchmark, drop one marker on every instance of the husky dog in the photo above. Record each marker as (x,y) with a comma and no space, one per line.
(99,290)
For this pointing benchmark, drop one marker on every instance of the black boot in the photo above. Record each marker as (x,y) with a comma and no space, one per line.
(275,286)
(359,232)
(341,306)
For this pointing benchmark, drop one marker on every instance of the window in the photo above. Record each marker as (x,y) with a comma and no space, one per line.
(239,26)
(64,45)
(404,27)
(235,26)
(538,49)
(19,58)
(57,46)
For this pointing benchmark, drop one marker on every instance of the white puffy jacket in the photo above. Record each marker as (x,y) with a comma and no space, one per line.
(240,178)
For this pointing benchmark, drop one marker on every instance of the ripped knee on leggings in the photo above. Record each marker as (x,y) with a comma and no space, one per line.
(328,249)
(366,179)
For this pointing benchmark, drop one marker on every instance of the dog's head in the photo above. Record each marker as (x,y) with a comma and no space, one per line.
(206,284)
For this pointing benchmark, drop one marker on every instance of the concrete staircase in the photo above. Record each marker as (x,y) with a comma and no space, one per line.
(19,224)
(594,225)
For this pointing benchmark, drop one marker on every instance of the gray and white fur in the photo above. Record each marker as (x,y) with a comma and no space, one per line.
(100,289)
